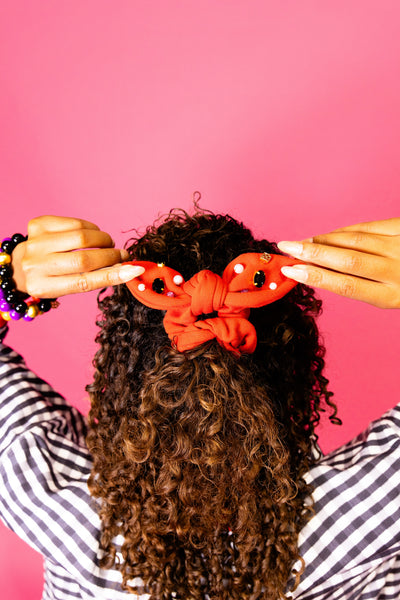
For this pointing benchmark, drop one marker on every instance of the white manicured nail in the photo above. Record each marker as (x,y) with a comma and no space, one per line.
(292,248)
(128,272)
(298,273)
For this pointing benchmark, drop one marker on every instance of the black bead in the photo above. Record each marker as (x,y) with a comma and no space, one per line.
(8,246)
(17,238)
(12,297)
(20,308)
(44,305)
(259,279)
(5,272)
(7,285)
(158,285)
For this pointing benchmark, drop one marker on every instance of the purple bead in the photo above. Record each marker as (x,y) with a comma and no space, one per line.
(4,306)
(1,294)
(14,315)
(27,318)
(6,240)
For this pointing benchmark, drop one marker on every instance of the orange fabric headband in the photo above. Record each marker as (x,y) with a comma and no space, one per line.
(251,280)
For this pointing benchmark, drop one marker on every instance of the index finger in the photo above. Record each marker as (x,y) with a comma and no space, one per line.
(58,286)
(385,227)
(54,224)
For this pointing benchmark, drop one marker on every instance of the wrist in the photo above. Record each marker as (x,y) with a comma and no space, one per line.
(15,304)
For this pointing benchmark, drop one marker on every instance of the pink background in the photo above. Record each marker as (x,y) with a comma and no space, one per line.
(285,114)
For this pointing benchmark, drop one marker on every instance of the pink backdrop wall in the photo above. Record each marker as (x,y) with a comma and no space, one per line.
(285,114)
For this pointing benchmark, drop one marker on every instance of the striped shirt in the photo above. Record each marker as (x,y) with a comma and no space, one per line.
(351,546)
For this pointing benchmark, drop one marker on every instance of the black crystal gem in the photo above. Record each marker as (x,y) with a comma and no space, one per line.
(259,279)
(17,238)
(158,285)
(44,305)
(5,272)
(20,308)
(8,246)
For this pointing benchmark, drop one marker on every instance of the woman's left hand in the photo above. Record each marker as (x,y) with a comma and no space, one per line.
(360,261)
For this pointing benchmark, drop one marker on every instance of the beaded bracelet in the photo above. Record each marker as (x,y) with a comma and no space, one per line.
(13,303)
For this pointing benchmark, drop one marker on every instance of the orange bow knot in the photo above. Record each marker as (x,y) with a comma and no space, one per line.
(207,291)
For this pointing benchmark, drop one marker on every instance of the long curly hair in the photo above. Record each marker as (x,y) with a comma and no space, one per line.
(199,456)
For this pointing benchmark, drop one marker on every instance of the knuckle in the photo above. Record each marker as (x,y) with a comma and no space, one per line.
(358,237)
(111,277)
(36,225)
(392,300)
(77,262)
(34,289)
(315,277)
(352,262)
(77,224)
(80,238)
(368,227)
(27,268)
(82,284)
(347,287)
(80,261)
(393,246)
(320,239)
(312,250)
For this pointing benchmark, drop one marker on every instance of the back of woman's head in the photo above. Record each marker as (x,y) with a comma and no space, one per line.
(199,456)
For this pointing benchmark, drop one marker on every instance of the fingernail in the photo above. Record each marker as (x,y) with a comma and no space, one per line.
(124,254)
(292,248)
(298,273)
(128,272)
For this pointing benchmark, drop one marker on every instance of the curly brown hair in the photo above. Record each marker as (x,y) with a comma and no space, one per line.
(199,456)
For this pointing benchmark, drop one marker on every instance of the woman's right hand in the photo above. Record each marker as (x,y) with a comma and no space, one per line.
(63,255)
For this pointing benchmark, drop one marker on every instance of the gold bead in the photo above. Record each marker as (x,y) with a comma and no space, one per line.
(32,311)
(160,264)
(5,259)
(6,316)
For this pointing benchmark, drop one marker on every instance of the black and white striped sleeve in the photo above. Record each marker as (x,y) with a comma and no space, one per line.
(44,497)
(44,465)
(351,546)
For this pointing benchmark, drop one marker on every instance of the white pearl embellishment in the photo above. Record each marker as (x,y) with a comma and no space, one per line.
(178,279)
(141,287)
(239,268)
(273,286)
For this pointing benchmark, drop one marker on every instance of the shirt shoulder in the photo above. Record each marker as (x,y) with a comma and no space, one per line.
(28,402)
(355,530)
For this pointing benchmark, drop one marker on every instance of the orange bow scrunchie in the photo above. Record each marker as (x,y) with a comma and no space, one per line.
(208,306)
